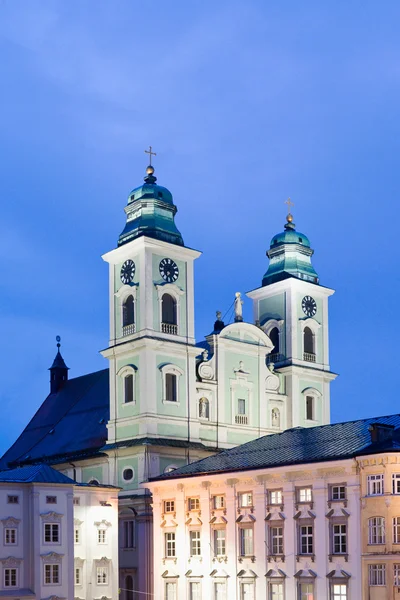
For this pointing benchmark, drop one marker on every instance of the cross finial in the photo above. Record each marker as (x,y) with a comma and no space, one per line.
(289,203)
(150,151)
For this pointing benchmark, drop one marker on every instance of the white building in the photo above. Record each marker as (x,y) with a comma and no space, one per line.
(59,540)
(165,399)
(278,518)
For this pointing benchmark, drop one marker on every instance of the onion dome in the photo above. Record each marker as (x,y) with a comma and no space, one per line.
(150,211)
(290,256)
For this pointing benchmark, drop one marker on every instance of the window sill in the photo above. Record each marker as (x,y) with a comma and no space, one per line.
(175,403)
(300,556)
(129,403)
(247,556)
(334,556)
(276,558)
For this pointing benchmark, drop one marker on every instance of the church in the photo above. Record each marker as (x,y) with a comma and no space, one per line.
(167,400)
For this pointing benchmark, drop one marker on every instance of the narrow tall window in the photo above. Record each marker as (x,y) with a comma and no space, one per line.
(10,577)
(10,536)
(306,542)
(309,408)
(276,540)
(101,536)
(170,591)
(396,575)
(194,590)
(78,576)
(128,388)
(51,574)
(129,534)
(129,587)
(274,337)
(220,542)
(128,312)
(396,530)
(168,311)
(339,538)
(170,545)
(220,591)
(247,591)
(376,530)
(102,575)
(171,387)
(308,345)
(246,541)
(396,483)
(375,484)
(195,543)
(241,406)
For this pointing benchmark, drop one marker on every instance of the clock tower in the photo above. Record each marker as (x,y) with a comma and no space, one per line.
(292,309)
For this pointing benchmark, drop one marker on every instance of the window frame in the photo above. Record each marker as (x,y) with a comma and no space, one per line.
(11,571)
(333,595)
(243,550)
(339,535)
(374,481)
(338,486)
(218,543)
(171,369)
(376,531)
(270,501)
(170,509)
(52,569)
(379,572)
(102,570)
(270,592)
(128,534)
(11,529)
(52,527)
(12,499)
(169,544)
(307,535)
(196,501)
(275,538)
(215,502)
(241,496)
(194,543)
(304,488)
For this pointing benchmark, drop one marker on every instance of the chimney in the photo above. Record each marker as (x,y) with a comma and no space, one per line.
(381,432)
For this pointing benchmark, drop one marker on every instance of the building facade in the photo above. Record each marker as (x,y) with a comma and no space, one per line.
(59,540)
(300,515)
(167,400)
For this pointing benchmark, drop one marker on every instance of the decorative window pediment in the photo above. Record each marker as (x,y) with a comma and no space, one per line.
(219,573)
(77,522)
(10,522)
(11,561)
(52,557)
(79,561)
(275,574)
(103,561)
(170,573)
(102,524)
(52,517)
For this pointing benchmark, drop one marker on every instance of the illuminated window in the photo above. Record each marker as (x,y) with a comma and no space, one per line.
(169,506)
(246,499)
(304,494)
(275,497)
(375,485)
(376,530)
(219,501)
(377,574)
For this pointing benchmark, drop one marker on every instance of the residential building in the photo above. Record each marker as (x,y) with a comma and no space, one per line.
(281,518)
(166,400)
(51,545)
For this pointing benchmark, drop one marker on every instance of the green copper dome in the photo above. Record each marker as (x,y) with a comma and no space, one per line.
(150,211)
(290,256)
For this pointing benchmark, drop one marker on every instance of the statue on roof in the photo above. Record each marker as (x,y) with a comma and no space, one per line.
(238,307)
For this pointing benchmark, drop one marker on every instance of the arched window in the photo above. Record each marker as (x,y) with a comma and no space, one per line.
(310,408)
(171,390)
(168,310)
(376,530)
(308,345)
(128,312)
(274,337)
(129,587)
(275,417)
(204,409)
(128,388)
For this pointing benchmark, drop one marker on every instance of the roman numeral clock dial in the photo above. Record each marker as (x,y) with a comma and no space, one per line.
(309,306)
(169,270)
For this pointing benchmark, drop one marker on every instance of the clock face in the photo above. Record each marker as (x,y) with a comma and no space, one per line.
(309,306)
(169,270)
(128,271)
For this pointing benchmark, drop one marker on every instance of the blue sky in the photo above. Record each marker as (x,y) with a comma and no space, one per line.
(245,103)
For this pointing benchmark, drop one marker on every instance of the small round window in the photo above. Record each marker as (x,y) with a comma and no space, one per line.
(128,474)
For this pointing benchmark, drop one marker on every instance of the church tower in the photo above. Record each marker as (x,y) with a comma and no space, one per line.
(292,308)
(152,348)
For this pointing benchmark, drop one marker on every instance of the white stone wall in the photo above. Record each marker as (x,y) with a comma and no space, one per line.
(235,571)
(31,552)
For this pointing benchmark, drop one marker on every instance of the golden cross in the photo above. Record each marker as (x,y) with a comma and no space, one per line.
(289,203)
(150,151)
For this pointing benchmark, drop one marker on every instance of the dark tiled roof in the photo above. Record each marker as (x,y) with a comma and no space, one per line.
(295,446)
(34,474)
(70,423)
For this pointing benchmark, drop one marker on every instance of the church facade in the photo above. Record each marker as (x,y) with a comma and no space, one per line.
(165,399)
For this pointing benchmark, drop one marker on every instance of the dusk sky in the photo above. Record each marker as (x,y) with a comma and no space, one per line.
(245,103)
